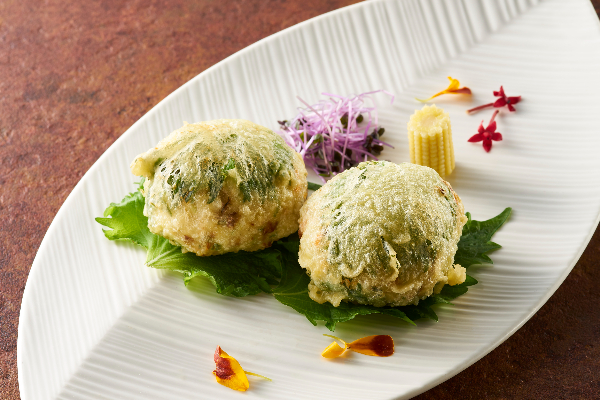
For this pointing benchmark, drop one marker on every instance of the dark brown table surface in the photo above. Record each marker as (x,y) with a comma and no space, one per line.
(74,75)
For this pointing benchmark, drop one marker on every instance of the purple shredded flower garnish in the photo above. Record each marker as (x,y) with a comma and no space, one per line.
(335,134)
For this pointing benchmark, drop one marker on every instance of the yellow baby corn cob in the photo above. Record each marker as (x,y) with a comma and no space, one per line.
(430,139)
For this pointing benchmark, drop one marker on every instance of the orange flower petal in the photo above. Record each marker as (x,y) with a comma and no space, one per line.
(229,372)
(454,84)
(453,88)
(334,350)
(464,90)
(377,345)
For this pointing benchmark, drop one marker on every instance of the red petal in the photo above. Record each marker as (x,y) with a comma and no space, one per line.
(223,368)
(514,100)
(478,137)
(481,129)
(500,93)
(487,145)
(511,108)
(497,136)
(501,102)
(491,127)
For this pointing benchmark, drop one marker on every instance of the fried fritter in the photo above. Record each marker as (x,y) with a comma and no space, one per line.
(381,234)
(222,186)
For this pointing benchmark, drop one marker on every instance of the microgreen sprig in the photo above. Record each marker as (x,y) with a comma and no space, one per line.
(335,134)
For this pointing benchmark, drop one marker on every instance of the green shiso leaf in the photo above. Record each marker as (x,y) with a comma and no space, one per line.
(313,186)
(472,247)
(475,241)
(276,270)
(127,221)
(233,274)
(293,292)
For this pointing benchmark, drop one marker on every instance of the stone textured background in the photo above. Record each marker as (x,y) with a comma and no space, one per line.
(74,75)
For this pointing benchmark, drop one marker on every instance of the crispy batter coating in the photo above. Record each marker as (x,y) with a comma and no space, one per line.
(222,186)
(381,234)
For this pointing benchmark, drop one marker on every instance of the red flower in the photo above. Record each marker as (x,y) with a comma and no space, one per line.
(505,101)
(488,134)
(501,102)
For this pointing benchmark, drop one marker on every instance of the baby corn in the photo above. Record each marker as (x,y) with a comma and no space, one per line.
(430,139)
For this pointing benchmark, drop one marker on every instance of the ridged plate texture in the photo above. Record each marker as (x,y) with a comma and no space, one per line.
(96,323)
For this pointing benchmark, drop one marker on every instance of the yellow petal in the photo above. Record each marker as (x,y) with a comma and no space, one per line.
(229,372)
(334,350)
(454,84)
(377,345)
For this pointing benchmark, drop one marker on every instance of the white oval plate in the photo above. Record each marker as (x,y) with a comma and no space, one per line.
(96,323)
